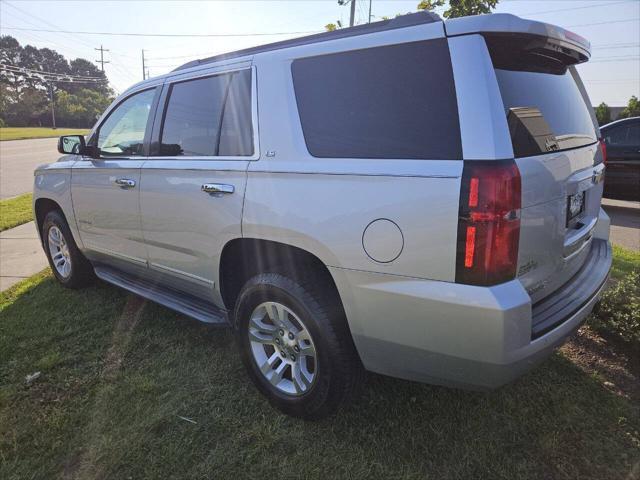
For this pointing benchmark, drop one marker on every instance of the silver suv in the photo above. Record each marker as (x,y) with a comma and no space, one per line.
(412,197)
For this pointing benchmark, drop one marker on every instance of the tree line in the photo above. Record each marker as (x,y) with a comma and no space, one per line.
(603,112)
(32,79)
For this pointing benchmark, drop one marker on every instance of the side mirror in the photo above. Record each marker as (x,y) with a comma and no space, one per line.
(70,144)
(75,145)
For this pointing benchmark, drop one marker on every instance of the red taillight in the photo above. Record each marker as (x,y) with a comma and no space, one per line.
(603,148)
(489,222)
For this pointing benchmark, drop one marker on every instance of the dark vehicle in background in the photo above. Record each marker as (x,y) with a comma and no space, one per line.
(622,140)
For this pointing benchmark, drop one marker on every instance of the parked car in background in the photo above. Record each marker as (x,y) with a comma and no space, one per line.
(413,197)
(622,141)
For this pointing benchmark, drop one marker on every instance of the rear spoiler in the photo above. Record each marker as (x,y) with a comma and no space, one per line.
(554,42)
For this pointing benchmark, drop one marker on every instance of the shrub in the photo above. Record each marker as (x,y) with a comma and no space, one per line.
(619,311)
(2,125)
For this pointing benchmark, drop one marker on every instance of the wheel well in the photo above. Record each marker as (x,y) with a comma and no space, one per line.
(244,258)
(42,208)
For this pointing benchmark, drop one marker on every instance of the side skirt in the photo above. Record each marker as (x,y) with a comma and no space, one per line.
(180,302)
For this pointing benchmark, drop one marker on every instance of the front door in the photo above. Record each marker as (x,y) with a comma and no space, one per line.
(106,190)
(192,185)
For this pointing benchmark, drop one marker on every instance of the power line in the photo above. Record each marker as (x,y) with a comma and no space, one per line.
(575,8)
(604,23)
(28,71)
(45,39)
(184,56)
(31,15)
(615,45)
(617,59)
(132,34)
(32,70)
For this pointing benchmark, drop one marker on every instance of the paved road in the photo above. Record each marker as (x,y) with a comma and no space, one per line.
(18,160)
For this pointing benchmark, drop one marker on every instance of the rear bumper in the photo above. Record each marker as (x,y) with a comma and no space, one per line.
(462,335)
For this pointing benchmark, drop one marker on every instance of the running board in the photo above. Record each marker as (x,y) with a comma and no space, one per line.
(180,302)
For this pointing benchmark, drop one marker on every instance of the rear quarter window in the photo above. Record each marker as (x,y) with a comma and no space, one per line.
(390,102)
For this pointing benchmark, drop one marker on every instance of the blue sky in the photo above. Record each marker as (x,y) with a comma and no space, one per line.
(612,26)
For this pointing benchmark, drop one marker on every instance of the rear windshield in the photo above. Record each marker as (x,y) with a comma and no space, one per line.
(395,101)
(545,111)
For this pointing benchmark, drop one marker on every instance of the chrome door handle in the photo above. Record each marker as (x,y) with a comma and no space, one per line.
(125,182)
(217,188)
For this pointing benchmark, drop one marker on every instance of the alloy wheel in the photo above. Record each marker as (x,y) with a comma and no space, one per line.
(282,348)
(59,250)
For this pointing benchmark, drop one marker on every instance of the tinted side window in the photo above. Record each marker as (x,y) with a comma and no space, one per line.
(236,134)
(395,101)
(633,138)
(617,136)
(193,117)
(122,133)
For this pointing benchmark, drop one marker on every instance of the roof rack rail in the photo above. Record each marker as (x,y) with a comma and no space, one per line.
(408,20)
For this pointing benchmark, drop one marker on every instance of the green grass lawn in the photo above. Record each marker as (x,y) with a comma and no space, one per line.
(15,211)
(624,261)
(117,373)
(20,133)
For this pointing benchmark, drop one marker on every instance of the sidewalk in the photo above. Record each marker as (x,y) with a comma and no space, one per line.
(625,222)
(21,254)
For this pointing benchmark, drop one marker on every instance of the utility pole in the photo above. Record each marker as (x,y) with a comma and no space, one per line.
(102,61)
(353,13)
(144,71)
(370,11)
(53,111)
(352,17)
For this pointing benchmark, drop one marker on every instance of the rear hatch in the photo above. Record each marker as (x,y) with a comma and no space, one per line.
(555,145)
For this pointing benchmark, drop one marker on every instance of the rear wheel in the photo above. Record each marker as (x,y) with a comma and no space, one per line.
(298,354)
(68,264)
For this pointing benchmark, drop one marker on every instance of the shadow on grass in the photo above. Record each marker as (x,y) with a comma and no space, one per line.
(118,373)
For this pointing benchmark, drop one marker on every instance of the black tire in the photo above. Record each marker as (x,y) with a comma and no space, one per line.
(81,272)
(338,368)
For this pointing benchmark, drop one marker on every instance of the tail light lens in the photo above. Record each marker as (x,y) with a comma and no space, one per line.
(603,147)
(489,222)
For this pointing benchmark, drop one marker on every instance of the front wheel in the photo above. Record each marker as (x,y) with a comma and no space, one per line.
(68,264)
(297,353)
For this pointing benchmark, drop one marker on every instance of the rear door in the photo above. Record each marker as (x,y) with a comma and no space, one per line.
(192,185)
(623,160)
(555,144)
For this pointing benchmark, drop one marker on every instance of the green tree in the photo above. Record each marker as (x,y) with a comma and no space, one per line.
(84,68)
(27,82)
(632,109)
(460,8)
(603,114)
(25,109)
(80,109)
